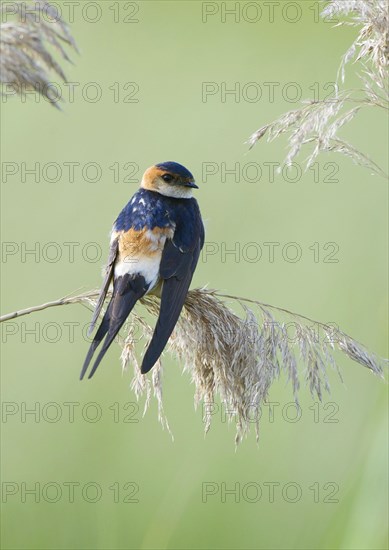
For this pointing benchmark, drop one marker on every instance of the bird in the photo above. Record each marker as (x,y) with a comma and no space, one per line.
(154,249)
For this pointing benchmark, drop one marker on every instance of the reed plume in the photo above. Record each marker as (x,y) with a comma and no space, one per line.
(230,357)
(318,122)
(26,39)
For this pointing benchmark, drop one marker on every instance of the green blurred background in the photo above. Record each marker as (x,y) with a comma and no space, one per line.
(169,53)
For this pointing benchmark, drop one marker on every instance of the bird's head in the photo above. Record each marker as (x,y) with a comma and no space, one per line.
(170,179)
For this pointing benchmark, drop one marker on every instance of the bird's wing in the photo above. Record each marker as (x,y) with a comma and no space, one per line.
(113,252)
(179,259)
(126,292)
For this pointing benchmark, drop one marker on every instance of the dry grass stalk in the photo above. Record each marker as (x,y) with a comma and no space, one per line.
(25,42)
(318,122)
(235,358)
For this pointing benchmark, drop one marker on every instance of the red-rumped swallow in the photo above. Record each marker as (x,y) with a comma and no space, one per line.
(155,245)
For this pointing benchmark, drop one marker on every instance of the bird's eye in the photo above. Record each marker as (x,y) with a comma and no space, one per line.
(168,178)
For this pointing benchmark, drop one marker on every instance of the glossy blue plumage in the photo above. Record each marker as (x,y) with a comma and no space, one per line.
(148,209)
(175,168)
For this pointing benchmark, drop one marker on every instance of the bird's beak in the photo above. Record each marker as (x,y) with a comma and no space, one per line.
(191,184)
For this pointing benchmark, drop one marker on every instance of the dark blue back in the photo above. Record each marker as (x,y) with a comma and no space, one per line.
(148,209)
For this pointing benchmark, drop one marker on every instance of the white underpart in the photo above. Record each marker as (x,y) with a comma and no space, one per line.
(141,264)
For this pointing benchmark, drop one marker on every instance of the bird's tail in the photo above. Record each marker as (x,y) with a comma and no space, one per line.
(168,316)
(127,291)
